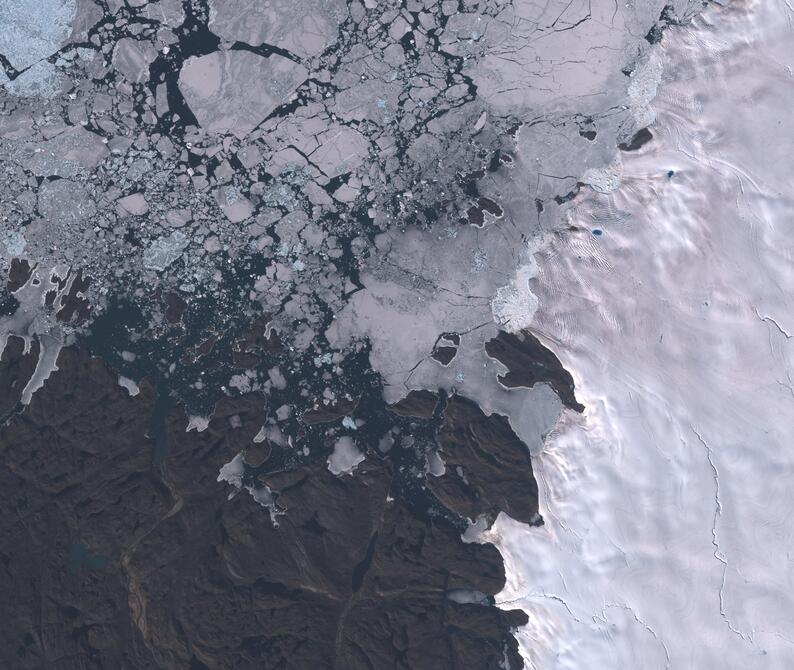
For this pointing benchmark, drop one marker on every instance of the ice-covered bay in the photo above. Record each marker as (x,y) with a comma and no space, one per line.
(669,536)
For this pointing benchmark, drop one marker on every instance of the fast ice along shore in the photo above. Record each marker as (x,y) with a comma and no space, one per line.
(668,534)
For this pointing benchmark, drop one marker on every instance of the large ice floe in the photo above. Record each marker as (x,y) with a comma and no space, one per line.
(668,534)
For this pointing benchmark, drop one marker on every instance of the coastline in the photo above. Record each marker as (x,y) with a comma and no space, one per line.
(665,535)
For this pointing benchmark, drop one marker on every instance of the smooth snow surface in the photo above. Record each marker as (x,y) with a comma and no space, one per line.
(669,536)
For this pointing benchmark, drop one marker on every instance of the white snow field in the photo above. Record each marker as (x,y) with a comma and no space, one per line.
(669,535)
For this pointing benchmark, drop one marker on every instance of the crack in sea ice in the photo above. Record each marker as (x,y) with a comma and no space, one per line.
(640,621)
(789,386)
(769,319)
(546,596)
(718,553)
(541,472)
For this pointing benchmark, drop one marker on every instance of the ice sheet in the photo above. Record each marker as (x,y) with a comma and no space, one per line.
(669,534)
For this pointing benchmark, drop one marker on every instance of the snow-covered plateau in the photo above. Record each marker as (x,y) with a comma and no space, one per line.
(669,536)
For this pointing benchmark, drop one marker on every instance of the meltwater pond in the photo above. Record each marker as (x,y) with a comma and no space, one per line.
(669,535)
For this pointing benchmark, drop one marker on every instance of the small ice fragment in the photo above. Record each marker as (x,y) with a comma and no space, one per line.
(131,386)
(345,457)
(435,464)
(164,251)
(233,472)
(199,423)
(475,529)
(50,347)
(15,243)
